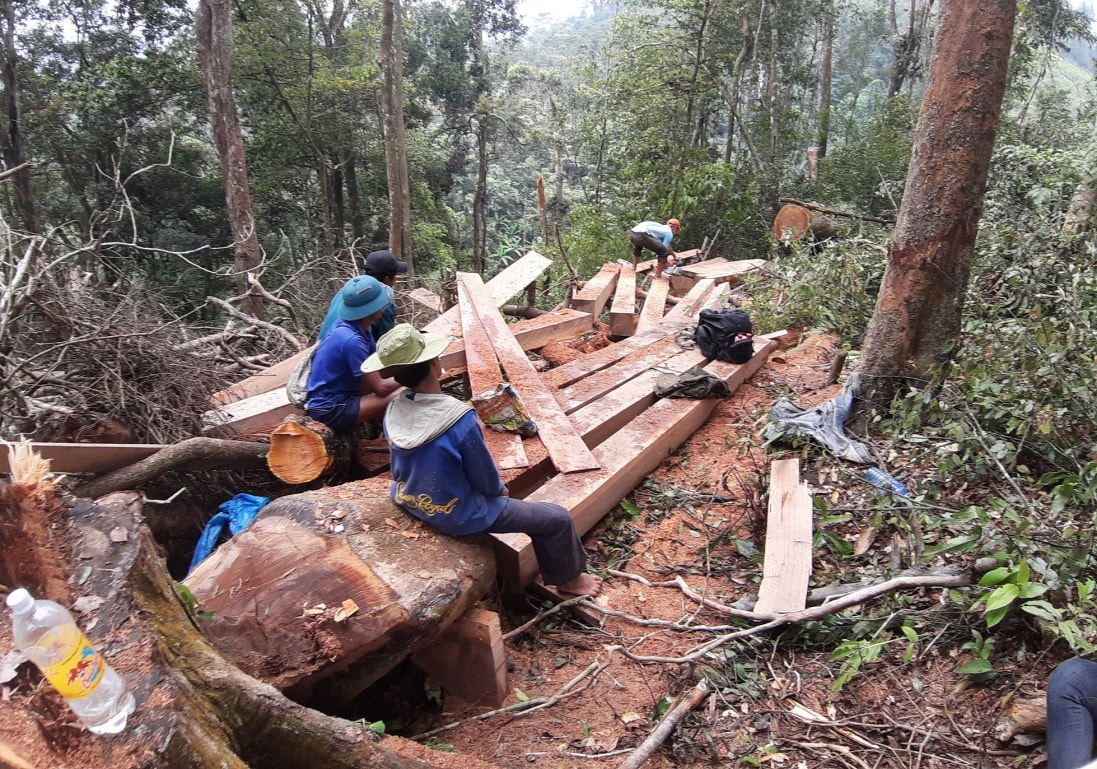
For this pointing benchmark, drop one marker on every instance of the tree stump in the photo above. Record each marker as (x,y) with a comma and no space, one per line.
(302,450)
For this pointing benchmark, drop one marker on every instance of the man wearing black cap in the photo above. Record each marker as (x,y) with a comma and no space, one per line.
(384,266)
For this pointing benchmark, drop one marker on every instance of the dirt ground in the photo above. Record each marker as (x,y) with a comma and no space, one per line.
(695,530)
(775,700)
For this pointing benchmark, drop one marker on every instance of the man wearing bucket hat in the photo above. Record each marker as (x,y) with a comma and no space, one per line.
(339,394)
(655,237)
(384,266)
(443,473)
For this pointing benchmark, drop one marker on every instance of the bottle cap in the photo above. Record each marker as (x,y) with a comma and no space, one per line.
(20,600)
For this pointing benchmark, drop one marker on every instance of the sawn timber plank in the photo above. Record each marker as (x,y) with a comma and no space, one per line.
(484,374)
(502,287)
(601,382)
(626,460)
(85,457)
(655,305)
(565,446)
(622,311)
(786,568)
(593,296)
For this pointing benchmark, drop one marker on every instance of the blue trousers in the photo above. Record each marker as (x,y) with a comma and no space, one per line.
(556,544)
(1071,714)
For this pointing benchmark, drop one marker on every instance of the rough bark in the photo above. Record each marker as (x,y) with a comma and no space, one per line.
(213,23)
(918,309)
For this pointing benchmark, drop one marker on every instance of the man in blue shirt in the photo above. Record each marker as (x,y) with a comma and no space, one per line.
(444,475)
(339,394)
(655,237)
(384,266)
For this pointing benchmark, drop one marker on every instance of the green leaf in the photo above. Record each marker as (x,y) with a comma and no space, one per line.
(521,695)
(975,667)
(632,510)
(1001,597)
(994,577)
(1033,589)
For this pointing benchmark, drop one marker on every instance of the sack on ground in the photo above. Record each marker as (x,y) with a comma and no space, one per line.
(726,335)
(297,388)
(696,383)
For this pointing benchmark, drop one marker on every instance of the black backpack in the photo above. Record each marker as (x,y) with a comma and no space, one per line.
(725,335)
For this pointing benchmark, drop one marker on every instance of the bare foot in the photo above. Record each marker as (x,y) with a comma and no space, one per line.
(584,584)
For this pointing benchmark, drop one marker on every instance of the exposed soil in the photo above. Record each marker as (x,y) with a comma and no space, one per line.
(700,518)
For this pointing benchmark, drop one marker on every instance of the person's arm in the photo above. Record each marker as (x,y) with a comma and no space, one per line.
(375,384)
(479,465)
(669,236)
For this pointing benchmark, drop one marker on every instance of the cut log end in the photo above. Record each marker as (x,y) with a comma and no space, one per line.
(302,450)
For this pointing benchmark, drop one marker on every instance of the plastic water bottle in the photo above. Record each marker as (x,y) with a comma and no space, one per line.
(45,632)
(885,482)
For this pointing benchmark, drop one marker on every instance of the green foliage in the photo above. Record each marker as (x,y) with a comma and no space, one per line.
(866,172)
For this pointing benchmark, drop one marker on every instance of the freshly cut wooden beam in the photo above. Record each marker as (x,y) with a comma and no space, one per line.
(601,382)
(682,255)
(622,312)
(428,299)
(655,304)
(593,296)
(569,373)
(469,660)
(787,565)
(704,293)
(302,450)
(531,334)
(85,457)
(634,452)
(599,419)
(253,416)
(484,374)
(500,288)
(721,270)
(269,379)
(565,446)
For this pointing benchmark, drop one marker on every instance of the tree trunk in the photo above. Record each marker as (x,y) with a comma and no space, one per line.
(11,133)
(194,710)
(823,137)
(392,106)
(918,310)
(1083,206)
(213,22)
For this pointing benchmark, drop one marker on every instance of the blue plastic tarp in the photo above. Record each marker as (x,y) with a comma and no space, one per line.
(237,514)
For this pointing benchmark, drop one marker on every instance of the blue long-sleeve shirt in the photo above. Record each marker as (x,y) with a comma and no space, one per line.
(442,471)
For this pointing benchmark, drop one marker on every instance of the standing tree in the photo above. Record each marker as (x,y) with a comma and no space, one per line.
(11,131)
(918,310)
(214,30)
(392,109)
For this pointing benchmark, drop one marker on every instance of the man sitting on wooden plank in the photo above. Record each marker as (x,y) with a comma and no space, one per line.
(444,475)
(339,394)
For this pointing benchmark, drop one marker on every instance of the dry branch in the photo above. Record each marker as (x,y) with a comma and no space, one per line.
(666,726)
(193,451)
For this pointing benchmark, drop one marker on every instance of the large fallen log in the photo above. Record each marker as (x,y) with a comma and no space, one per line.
(194,710)
(278,591)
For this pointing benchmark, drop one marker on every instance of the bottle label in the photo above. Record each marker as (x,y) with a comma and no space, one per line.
(79,668)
